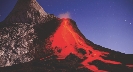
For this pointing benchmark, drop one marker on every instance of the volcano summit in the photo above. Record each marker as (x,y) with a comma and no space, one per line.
(32,40)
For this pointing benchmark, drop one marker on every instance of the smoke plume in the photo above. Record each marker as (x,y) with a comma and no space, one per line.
(64,15)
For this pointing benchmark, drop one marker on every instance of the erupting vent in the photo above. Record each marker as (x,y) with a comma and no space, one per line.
(33,41)
(66,41)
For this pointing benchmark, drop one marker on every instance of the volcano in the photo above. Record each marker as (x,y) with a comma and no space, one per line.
(35,41)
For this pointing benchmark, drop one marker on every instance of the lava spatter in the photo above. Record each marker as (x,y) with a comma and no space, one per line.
(67,40)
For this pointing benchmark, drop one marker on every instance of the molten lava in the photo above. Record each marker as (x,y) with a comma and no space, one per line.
(130,66)
(66,40)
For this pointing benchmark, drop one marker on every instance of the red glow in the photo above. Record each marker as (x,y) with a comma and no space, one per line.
(130,66)
(41,58)
(68,41)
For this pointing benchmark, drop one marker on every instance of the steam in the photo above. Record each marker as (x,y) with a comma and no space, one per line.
(64,15)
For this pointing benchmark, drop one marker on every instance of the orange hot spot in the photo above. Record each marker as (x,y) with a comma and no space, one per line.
(68,41)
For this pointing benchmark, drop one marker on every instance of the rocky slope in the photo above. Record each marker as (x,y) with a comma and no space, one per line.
(17,42)
(33,41)
(26,11)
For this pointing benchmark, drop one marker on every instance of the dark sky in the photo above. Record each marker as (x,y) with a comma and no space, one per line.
(108,23)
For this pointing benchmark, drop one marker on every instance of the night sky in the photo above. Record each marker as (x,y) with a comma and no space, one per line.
(108,23)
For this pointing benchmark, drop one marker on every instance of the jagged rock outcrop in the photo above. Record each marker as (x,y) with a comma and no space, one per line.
(17,33)
(33,41)
(26,11)
(15,42)
(18,42)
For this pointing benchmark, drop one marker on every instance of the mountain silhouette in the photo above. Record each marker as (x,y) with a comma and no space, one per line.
(35,41)
(26,11)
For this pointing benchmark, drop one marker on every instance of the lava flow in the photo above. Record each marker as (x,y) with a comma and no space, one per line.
(66,40)
(130,66)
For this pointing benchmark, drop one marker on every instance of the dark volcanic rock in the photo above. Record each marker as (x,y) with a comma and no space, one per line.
(33,41)
(26,11)
(19,42)
(15,42)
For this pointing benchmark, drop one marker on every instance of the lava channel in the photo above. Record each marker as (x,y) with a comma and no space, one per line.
(67,40)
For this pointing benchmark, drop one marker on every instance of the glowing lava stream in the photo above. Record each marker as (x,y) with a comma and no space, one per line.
(68,41)
(130,66)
